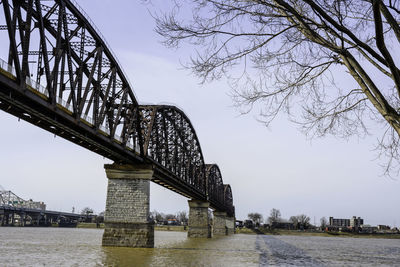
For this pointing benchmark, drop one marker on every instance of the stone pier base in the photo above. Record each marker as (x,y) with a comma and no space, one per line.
(220,227)
(129,235)
(230,224)
(127,207)
(198,219)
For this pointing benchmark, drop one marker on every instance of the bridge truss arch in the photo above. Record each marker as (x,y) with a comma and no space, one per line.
(170,141)
(228,200)
(57,55)
(60,74)
(215,185)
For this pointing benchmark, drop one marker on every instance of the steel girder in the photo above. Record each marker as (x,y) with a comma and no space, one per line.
(61,76)
(170,142)
(228,200)
(215,185)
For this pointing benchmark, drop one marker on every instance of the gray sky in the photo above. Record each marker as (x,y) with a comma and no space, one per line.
(267,168)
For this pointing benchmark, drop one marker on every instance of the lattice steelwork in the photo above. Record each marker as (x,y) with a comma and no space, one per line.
(59,74)
(215,185)
(171,141)
(228,200)
(63,60)
(11,200)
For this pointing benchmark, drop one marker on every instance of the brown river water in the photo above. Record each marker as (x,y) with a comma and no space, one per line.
(82,247)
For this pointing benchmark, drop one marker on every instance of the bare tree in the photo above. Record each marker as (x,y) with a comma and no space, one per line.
(295,221)
(300,221)
(87,211)
(324,223)
(274,216)
(304,221)
(182,217)
(157,216)
(256,217)
(291,54)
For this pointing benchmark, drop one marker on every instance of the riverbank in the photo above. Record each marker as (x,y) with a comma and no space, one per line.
(179,228)
(90,225)
(175,228)
(309,233)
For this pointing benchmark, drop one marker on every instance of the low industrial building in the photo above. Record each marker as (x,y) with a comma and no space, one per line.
(339,222)
(353,222)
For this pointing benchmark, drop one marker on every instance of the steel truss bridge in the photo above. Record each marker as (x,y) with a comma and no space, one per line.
(60,74)
(13,208)
(10,200)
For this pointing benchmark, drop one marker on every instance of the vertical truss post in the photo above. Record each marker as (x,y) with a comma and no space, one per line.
(25,37)
(43,45)
(13,45)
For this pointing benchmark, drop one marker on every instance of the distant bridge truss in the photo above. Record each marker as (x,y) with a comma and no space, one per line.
(10,200)
(59,74)
(15,210)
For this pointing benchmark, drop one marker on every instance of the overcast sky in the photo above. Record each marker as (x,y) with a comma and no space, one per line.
(267,168)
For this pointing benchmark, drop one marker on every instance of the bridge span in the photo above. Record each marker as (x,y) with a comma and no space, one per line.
(16,211)
(59,73)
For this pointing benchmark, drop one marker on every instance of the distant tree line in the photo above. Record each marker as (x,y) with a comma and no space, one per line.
(180,218)
(274,220)
(90,216)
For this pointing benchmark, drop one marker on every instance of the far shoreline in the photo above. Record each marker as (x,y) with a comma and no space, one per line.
(316,233)
(181,228)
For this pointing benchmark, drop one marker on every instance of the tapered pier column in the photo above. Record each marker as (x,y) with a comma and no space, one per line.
(220,227)
(230,224)
(2,217)
(199,225)
(22,218)
(126,216)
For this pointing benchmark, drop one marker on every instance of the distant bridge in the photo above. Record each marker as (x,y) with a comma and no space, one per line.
(60,74)
(15,211)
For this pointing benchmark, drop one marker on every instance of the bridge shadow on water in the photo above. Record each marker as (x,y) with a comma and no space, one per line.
(276,252)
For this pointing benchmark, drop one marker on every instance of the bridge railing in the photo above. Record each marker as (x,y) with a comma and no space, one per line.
(7,67)
(64,103)
(38,87)
(30,82)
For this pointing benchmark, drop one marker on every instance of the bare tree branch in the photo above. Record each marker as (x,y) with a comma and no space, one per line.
(291,54)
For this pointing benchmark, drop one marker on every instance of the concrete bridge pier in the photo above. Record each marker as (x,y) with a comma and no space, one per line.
(36,219)
(230,224)
(127,206)
(199,223)
(8,219)
(220,227)
(22,219)
(5,219)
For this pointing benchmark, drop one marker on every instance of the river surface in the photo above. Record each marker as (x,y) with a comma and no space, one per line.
(82,247)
